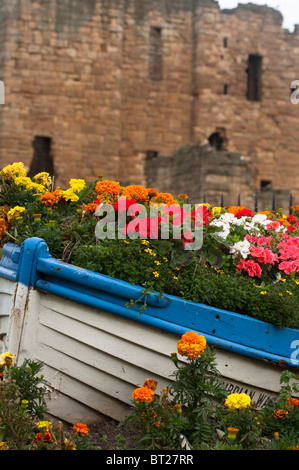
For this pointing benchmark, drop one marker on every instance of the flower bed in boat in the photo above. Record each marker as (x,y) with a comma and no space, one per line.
(246,262)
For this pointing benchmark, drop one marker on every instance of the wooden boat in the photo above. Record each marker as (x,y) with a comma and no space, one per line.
(96,350)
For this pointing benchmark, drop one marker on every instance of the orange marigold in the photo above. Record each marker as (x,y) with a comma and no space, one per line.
(152,192)
(234,209)
(50,199)
(143,394)
(3,227)
(280,414)
(81,428)
(108,187)
(91,207)
(46,437)
(292,402)
(165,198)
(150,383)
(191,345)
(137,192)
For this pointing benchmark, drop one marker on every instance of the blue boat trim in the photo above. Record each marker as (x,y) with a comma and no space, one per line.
(9,261)
(227,330)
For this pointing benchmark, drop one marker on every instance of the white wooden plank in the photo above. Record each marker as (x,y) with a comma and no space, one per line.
(99,339)
(130,330)
(98,359)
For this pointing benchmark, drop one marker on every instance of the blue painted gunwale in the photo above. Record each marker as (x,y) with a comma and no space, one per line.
(32,265)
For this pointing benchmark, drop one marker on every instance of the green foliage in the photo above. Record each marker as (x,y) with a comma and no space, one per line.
(191,413)
(23,414)
(30,386)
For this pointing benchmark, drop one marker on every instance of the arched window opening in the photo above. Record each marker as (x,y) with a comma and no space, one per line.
(42,159)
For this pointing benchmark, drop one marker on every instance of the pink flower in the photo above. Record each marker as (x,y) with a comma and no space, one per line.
(252,268)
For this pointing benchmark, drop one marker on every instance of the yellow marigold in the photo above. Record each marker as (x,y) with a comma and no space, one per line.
(77,184)
(4,210)
(9,172)
(232,433)
(108,187)
(43,178)
(236,401)
(137,192)
(150,383)
(191,345)
(216,210)
(44,425)
(143,394)
(29,184)
(70,195)
(6,359)
(3,446)
(14,213)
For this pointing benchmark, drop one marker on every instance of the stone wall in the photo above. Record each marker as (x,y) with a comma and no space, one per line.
(217,177)
(77,72)
(265,130)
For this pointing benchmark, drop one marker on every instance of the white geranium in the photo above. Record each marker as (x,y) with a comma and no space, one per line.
(242,248)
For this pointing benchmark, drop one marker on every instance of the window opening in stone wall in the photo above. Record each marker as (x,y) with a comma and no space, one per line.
(254,81)
(266,185)
(42,159)
(225,42)
(150,154)
(155,54)
(225,89)
(218,139)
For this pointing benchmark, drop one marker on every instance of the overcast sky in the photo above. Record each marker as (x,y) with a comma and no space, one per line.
(288,8)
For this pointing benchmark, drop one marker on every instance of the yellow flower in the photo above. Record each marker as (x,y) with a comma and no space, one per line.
(263,292)
(43,178)
(148,250)
(232,433)
(29,184)
(157,263)
(69,195)
(145,242)
(6,359)
(290,293)
(3,446)
(176,278)
(237,401)
(178,408)
(44,425)
(280,295)
(77,185)
(14,213)
(9,172)
(156,274)
(216,210)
